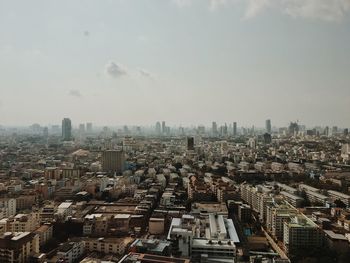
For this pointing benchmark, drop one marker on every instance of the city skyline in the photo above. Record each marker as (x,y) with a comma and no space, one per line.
(141,61)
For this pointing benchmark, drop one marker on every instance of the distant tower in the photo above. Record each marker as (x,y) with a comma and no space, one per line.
(268,126)
(158,128)
(326,131)
(89,127)
(214,128)
(224,130)
(81,128)
(234,129)
(163,127)
(293,128)
(66,129)
(46,132)
(190,143)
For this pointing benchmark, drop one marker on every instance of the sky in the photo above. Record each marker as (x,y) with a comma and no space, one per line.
(115,62)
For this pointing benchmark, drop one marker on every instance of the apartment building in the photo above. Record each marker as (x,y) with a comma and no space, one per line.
(17,247)
(301,233)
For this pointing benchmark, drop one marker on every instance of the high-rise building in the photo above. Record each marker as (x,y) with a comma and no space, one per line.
(163,127)
(113,161)
(190,143)
(46,132)
(268,126)
(89,127)
(267,138)
(81,128)
(293,128)
(224,130)
(66,129)
(214,128)
(158,128)
(326,131)
(234,129)
(301,233)
(334,130)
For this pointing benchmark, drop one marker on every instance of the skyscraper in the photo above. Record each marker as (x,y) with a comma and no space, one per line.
(163,127)
(214,128)
(190,143)
(158,128)
(268,126)
(235,129)
(66,129)
(81,128)
(89,127)
(113,161)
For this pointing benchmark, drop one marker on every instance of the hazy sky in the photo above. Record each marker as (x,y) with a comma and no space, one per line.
(184,61)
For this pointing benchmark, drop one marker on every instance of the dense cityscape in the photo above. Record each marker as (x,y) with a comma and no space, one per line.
(136,194)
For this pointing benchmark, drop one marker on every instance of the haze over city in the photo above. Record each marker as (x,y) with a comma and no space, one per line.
(183,61)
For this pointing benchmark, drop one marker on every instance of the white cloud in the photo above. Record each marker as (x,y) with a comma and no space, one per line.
(75,93)
(116,70)
(326,10)
(254,7)
(182,3)
(146,73)
(215,4)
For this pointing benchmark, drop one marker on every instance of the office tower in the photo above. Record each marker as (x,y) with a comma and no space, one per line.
(190,143)
(334,130)
(268,126)
(214,128)
(113,161)
(235,129)
(46,132)
(66,129)
(201,129)
(89,127)
(224,130)
(346,131)
(55,129)
(158,128)
(163,127)
(81,128)
(267,138)
(326,131)
(293,128)
(126,129)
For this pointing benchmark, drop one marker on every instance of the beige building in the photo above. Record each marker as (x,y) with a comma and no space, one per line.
(19,223)
(301,232)
(108,245)
(17,247)
(45,233)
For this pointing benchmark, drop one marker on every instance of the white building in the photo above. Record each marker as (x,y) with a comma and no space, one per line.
(7,207)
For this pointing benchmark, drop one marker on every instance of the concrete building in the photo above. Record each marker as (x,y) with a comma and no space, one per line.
(17,247)
(108,245)
(113,161)
(335,195)
(7,207)
(45,233)
(70,252)
(65,209)
(301,233)
(66,129)
(19,223)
